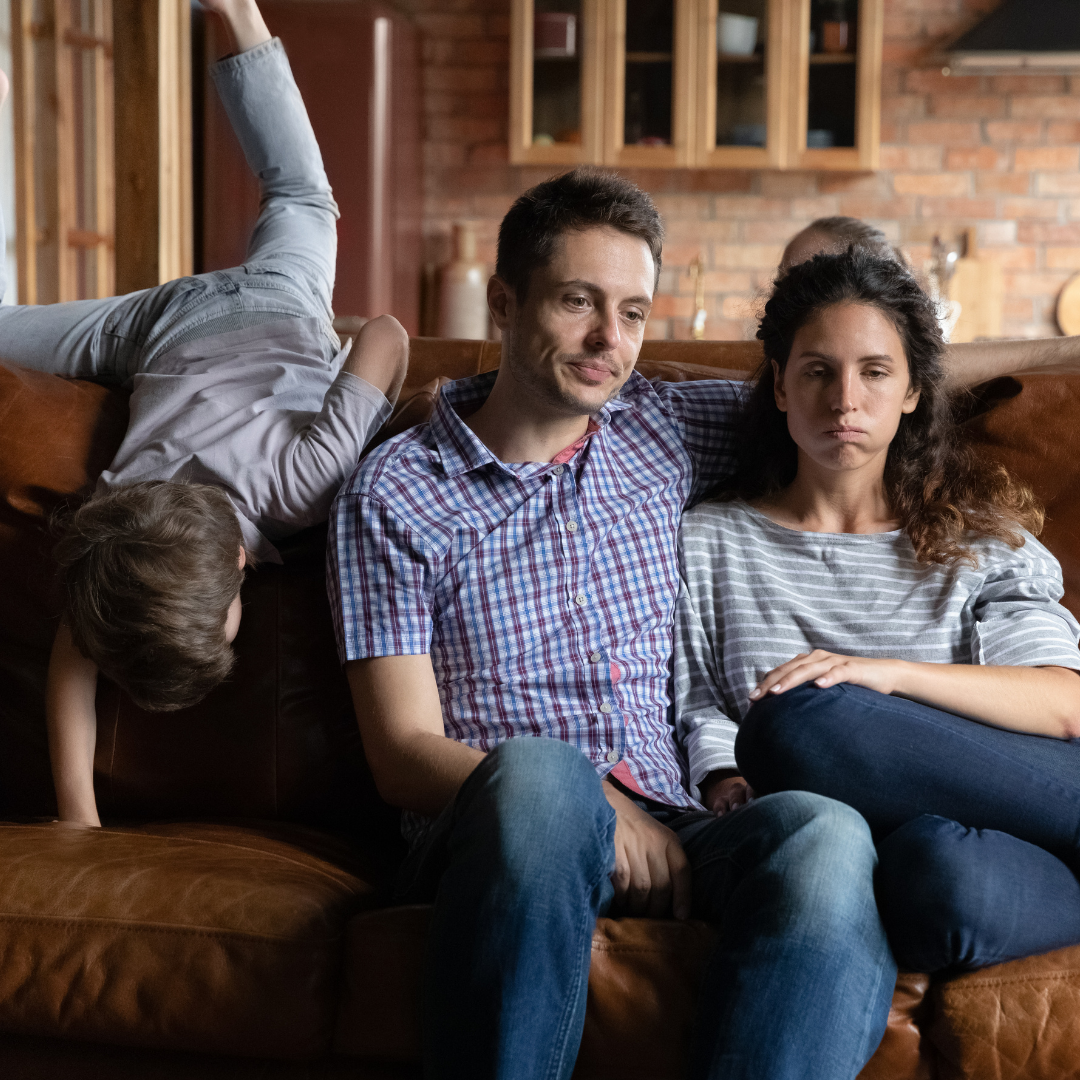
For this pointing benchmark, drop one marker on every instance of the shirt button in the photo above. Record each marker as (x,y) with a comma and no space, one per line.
(571,526)
(605,708)
(580,599)
(613,756)
(557,471)
(595,658)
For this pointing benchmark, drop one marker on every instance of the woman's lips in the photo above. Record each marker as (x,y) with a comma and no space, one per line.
(845,434)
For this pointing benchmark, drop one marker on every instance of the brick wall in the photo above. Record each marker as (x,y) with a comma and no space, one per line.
(1000,152)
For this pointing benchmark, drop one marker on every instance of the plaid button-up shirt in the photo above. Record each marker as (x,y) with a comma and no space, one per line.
(525,581)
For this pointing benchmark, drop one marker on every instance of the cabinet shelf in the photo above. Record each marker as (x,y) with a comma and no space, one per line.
(649,86)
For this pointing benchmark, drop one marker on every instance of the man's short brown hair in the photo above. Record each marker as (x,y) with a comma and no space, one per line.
(148,573)
(584,198)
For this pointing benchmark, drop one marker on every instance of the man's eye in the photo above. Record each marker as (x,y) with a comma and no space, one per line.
(578,301)
(635,316)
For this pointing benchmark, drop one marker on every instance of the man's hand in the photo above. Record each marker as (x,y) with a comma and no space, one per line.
(652,874)
(827,669)
(243,20)
(721,792)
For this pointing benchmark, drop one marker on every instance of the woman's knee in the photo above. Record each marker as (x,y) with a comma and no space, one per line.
(938,896)
(784,736)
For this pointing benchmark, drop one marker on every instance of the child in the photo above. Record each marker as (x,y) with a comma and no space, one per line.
(246,417)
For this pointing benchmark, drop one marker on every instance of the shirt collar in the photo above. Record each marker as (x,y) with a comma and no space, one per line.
(460,451)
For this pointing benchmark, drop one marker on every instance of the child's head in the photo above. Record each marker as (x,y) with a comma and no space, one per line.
(149,574)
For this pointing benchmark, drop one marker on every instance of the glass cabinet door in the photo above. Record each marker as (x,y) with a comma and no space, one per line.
(741,84)
(839,99)
(554,81)
(648,82)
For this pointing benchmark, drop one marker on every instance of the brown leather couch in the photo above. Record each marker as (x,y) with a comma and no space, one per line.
(231,919)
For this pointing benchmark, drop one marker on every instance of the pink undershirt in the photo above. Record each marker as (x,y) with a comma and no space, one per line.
(620,772)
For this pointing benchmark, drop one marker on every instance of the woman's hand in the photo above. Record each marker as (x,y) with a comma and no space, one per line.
(827,669)
(721,793)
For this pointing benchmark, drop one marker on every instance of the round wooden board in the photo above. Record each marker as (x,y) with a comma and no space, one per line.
(1068,306)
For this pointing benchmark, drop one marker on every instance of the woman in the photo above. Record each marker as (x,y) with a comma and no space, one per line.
(868,610)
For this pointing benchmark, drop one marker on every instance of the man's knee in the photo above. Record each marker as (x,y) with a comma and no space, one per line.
(538,798)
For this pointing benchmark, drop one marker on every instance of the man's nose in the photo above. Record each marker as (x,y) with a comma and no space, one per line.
(604,334)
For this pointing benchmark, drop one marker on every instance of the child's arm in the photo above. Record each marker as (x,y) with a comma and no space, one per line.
(380,355)
(72,721)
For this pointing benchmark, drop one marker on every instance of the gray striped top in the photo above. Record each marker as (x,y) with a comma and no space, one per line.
(754,594)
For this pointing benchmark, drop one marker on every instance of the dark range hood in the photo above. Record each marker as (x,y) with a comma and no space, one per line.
(1022,33)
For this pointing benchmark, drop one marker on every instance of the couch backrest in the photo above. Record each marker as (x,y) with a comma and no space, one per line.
(279,739)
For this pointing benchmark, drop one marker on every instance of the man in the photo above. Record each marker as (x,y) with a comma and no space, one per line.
(509,570)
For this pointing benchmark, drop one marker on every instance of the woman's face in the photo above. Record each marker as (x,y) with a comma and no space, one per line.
(845,387)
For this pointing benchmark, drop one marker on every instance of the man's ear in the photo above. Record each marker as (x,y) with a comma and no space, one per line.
(501,302)
(779,394)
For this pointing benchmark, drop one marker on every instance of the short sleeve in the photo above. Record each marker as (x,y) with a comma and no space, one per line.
(706,412)
(705,731)
(1018,618)
(379,577)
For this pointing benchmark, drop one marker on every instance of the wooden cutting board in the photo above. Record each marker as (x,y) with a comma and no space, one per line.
(978,286)
(1068,306)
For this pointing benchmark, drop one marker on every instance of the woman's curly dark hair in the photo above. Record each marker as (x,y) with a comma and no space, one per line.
(937,487)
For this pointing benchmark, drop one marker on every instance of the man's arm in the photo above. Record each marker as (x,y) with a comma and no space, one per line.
(71,717)
(972,362)
(397,707)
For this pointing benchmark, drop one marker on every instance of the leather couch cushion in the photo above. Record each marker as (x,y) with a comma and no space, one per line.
(1016,1021)
(643,983)
(220,939)
(1031,426)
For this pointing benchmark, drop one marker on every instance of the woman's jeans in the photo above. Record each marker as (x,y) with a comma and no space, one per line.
(978,828)
(519,869)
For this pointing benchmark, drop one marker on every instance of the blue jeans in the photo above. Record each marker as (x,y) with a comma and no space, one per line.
(290,266)
(978,828)
(519,869)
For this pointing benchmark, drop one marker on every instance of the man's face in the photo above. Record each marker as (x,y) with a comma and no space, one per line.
(572,343)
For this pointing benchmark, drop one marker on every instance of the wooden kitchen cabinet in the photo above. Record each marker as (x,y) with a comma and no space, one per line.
(730,84)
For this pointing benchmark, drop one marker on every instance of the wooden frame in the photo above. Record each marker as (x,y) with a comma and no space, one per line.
(778,89)
(522,151)
(683,96)
(865,154)
(51,114)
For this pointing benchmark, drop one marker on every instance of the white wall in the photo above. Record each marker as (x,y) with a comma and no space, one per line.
(7,157)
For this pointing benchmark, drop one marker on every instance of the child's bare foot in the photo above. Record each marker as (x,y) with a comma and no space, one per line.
(380,355)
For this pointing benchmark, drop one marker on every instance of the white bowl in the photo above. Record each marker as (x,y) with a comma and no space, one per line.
(736,35)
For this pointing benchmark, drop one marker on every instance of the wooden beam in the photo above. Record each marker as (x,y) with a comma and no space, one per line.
(22,55)
(152,71)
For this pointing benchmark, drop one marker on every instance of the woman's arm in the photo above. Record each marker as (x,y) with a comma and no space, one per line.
(71,717)
(1034,700)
